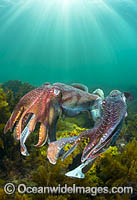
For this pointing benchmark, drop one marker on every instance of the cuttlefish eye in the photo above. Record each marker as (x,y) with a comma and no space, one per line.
(115,93)
(55,91)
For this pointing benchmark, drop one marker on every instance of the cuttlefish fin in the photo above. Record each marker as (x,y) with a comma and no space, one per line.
(80,86)
(43,135)
(55,148)
(103,146)
(90,146)
(87,150)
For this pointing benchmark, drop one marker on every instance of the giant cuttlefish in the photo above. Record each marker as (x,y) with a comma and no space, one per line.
(41,105)
(45,105)
(101,136)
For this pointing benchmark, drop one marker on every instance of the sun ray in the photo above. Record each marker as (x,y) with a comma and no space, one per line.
(73,32)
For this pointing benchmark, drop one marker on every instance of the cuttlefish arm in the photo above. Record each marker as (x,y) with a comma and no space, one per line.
(52,111)
(43,135)
(24,135)
(25,102)
(31,109)
(55,148)
(37,103)
(45,120)
(27,131)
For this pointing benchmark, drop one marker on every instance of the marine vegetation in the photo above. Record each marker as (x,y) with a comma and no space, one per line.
(115,167)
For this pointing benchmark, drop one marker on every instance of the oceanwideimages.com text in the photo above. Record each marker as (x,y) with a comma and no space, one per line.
(10,188)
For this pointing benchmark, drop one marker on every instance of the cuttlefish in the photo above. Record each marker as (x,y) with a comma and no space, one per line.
(101,136)
(45,105)
(36,106)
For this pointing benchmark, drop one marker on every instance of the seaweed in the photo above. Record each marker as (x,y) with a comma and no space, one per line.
(116,167)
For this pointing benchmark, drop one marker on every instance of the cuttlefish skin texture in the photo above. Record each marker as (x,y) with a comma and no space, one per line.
(101,135)
(39,103)
(45,105)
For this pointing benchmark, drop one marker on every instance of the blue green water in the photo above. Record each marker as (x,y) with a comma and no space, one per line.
(93,42)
